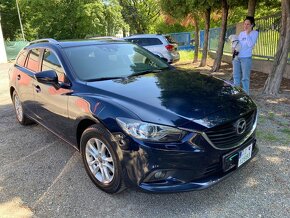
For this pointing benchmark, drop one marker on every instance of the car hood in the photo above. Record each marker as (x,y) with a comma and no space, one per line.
(176,95)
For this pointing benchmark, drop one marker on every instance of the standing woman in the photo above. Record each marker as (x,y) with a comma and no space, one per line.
(242,63)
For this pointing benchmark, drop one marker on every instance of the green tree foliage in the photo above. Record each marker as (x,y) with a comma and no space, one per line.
(9,19)
(163,27)
(238,10)
(140,15)
(182,9)
(113,18)
(62,19)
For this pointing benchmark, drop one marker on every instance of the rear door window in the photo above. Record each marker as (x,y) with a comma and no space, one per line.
(33,60)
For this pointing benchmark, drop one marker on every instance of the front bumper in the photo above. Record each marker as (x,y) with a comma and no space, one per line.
(183,171)
(172,185)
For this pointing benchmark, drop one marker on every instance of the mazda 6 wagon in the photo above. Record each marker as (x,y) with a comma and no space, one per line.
(137,121)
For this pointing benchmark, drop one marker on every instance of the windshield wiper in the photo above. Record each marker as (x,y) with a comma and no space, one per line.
(104,78)
(146,72)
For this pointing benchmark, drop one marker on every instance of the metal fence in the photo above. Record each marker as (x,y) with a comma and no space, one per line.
(266,46)
(13,47)
(214,38)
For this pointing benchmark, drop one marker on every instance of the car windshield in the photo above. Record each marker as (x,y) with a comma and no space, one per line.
(115,60)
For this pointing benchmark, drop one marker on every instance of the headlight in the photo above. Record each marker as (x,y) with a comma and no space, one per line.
(149,131)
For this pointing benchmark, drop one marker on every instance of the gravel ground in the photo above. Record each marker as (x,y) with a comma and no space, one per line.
(42,176)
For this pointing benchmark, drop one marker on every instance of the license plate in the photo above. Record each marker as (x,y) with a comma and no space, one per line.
(245,155)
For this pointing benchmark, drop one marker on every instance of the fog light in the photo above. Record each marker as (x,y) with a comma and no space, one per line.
(159,174)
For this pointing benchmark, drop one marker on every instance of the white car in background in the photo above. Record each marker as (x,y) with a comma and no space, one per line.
(105,38)
(160,45)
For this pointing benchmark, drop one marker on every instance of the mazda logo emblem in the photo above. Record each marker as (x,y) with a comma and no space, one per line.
(241,126)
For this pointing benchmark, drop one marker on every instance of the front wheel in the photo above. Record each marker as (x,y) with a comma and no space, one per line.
(101,160)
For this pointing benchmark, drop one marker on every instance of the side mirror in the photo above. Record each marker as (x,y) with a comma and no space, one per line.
(47,77)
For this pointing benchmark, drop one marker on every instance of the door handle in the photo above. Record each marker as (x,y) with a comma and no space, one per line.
(37,88)
(18,77)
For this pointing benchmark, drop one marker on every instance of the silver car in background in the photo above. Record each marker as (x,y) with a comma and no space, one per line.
(160,45)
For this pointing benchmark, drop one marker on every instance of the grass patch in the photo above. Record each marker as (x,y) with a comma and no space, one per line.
(271,115)
(267,136)
(271,137)
(261,119)
(285,131)
(188,55)
(284,124)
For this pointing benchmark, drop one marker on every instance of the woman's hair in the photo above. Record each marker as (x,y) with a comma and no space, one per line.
(251,19)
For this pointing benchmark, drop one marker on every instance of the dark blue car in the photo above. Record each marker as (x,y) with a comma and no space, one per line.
(137,121)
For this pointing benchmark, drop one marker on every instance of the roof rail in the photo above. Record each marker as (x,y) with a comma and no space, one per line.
(50,40)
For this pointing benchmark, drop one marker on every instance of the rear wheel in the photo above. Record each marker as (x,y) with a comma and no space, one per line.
(101,160)
(20,115)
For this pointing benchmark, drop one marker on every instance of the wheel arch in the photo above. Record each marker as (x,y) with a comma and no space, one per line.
(12,89)
(81,127)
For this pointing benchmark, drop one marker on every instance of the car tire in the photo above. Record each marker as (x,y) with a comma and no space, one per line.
(101,160)
(19,111)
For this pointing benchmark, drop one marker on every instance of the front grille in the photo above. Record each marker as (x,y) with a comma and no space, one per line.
(226,136)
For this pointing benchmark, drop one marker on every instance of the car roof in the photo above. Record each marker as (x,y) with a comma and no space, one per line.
(73,43)
(65,44)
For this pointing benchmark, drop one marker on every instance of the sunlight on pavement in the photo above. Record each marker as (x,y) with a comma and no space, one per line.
(14,209)
(275,160)
(284,148)
(251,182)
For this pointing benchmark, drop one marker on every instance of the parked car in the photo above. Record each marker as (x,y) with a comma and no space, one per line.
(105,38)
(136,120)
(160,45)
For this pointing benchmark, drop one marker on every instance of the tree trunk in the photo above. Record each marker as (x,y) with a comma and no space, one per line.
(274,79)
(124,32)
(252,7)
(206,36)
(220,50)
(196,37)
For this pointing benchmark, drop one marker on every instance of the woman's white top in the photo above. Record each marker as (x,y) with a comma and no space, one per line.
(247,42)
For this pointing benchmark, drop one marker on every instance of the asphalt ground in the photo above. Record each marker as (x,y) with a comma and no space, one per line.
(42,176)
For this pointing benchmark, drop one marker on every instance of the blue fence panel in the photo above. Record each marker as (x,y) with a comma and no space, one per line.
(183,40)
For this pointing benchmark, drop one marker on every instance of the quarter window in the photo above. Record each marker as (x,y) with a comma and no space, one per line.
(50,62)
(146,41)
(21,58)
(33,60)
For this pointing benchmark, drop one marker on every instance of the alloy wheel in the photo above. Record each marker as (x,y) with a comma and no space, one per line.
(99,160)
(18,108)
